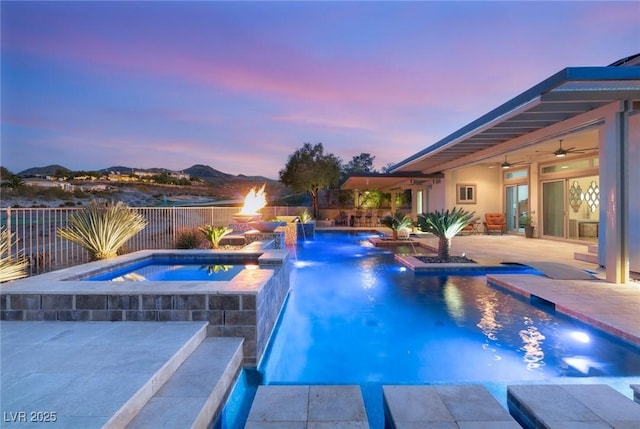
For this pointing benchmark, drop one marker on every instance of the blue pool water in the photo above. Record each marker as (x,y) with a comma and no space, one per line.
(355,316)
(176,269)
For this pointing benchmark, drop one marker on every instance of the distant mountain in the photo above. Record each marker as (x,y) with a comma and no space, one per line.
(205,172)
(49,170)
(118,169)
(256,178)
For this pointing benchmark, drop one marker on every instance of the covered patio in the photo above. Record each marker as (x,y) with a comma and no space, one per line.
(515,158)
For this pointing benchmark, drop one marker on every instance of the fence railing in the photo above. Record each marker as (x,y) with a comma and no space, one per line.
(35,231)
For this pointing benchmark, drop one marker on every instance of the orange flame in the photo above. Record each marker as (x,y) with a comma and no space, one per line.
(254,201)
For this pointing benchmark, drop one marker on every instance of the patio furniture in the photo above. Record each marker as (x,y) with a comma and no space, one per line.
(358,218)
(368,218)
(342,219)
(472,227)
(495,222)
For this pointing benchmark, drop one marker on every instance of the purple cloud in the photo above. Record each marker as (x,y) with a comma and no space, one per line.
(241,85)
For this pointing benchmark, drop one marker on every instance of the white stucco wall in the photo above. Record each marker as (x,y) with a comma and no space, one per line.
(488,183)
(437,195)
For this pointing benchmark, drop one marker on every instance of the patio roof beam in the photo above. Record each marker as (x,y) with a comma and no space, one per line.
(605,96)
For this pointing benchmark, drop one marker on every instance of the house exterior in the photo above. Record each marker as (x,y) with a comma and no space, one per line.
(565,152)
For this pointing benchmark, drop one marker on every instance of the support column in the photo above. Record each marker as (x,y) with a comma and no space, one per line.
(614,169)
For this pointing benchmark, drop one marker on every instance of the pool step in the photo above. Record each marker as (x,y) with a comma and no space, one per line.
(138,365)
(195,393)
(591,256)
(278,406)
(444,407)
(580,405)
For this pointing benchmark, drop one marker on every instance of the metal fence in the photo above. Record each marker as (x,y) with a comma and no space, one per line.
(35,236)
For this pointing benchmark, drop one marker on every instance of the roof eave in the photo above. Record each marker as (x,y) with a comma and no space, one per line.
(569,74)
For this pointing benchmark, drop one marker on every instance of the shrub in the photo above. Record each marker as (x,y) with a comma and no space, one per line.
(188,239)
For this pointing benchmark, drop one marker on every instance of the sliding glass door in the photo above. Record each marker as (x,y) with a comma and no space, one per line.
(517,205)
(553,208)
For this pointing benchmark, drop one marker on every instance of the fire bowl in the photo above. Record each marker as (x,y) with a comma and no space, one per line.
(246,217)
(265,226)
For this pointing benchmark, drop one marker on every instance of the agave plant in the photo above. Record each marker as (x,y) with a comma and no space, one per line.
(103,227)
(11,267)
(215,233)
(397,222)
(445,225)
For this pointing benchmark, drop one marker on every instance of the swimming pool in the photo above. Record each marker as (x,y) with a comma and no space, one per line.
(355,316)
(177,268)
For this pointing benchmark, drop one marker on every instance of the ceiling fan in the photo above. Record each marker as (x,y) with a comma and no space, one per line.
(506,164)
(562,152)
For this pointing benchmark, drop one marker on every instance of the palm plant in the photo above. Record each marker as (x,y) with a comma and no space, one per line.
(103,227)
(445,225)
(215,233)
(397,222)
(11,268)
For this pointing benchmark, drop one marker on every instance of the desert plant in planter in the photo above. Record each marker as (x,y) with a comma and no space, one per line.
(445,225)
(306,228)
(215,234)
(397,222)
(305,216)
(12,267)
(103,227)
(527,223)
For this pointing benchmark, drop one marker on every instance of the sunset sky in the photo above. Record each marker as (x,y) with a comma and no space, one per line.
(239,86)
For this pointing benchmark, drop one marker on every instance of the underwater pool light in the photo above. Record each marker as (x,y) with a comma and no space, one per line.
(580,336)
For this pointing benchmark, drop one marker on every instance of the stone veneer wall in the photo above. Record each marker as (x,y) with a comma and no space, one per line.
(270,301)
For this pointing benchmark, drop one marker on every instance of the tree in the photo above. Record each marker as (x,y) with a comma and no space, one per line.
(445,225)
(5,173)
(309,169)
(13,182)
(360,164)
(387,168)
(10,180)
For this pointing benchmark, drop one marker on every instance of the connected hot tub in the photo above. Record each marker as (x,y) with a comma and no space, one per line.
(238,292)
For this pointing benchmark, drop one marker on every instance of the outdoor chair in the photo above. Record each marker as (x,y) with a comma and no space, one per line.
(472,227)
(358,218)
(368,216)
(342,219)
(495,222)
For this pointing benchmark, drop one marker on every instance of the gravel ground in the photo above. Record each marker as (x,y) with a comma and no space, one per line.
(454,259)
